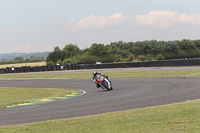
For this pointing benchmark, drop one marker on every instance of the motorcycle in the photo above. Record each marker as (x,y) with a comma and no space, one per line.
(104,82)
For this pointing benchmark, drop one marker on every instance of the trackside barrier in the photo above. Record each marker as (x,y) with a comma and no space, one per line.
(194,62)
(73,66)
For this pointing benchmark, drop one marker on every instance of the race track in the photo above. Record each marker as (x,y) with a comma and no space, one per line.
(130,93)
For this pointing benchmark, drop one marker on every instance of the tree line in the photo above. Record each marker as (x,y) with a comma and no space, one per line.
(125,52)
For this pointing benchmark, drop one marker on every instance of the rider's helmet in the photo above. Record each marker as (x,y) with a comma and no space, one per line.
(95,73)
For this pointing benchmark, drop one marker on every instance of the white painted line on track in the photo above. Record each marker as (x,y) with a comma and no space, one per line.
(21,107)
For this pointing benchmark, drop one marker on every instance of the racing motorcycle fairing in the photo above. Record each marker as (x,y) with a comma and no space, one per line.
(104,82)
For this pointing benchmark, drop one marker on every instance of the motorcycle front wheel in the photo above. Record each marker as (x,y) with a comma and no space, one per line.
(107,84)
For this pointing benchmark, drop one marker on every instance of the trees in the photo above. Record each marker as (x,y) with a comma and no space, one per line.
(87,59)
(188,49)
(101,53)
(98,49)
(126,51)
(55,55)
(70,51)
(197,43)
(18,58)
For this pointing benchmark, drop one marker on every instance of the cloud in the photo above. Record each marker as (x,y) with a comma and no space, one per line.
(155,19)
(166,19)
(95,22)
(189,19)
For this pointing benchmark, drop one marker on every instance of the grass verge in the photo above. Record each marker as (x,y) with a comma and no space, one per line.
(11,96)
(126,74)
(176,118)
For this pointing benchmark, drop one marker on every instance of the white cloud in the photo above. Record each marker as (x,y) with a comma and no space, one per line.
(166,19)
(156,19)
(189,19)
(95,22)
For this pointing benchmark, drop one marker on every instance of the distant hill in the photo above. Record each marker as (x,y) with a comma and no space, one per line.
(11,56)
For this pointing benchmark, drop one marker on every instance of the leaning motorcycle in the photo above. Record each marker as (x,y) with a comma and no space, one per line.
(104,82)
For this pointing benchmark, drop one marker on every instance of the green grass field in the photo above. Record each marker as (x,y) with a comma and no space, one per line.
(175,118)
(9,96)
(24,64)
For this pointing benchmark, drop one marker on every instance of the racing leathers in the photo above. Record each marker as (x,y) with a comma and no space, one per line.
(95,79)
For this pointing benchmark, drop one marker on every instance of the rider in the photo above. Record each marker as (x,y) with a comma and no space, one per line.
(95,73)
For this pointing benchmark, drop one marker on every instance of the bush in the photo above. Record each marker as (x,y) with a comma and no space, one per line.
(88,59)
(66,61)
(50,63)
(71,60)
(170,55)
(35,60)
(159,57)
(107,58)
(149,57)
(141,58)
(59,62)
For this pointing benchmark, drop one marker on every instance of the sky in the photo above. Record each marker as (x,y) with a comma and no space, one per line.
(40,25)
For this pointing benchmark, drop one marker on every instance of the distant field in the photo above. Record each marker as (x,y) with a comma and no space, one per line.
(24,64)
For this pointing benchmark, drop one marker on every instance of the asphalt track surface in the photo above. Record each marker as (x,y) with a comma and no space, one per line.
(129,93)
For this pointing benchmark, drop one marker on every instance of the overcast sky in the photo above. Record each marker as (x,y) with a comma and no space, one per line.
(40,25)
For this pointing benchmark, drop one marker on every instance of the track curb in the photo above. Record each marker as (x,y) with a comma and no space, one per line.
(44,100)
